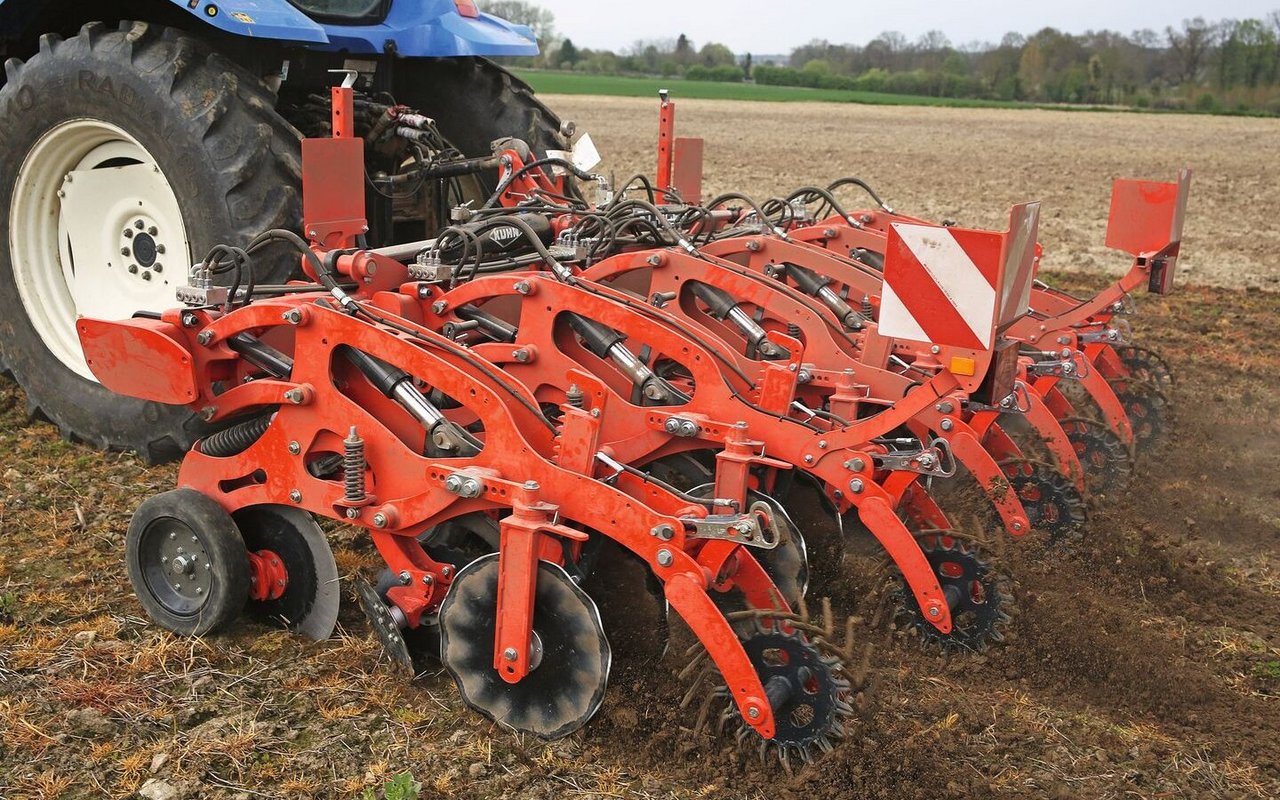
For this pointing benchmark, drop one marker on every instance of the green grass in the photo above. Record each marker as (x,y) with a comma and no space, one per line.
(556,82)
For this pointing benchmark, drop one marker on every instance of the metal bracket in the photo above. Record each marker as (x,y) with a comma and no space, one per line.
(936,460)
(1073,365)
(757,528)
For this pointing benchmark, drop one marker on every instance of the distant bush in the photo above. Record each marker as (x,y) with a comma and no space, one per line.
(722,73)
(1207,102)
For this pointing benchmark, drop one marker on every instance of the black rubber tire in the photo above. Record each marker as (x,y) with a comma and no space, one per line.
(232,160)
(475,101)
(228,563)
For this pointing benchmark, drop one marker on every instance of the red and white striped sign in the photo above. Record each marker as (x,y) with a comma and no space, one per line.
(955,286)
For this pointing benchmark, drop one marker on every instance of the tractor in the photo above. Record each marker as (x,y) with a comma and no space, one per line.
(139,134)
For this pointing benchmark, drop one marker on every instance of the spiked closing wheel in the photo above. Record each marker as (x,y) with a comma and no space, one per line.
(1147,408)
(1146,364)
(973,590)
(1107,463)
(1052,503)
(567,686)
(808,696)
(310,599)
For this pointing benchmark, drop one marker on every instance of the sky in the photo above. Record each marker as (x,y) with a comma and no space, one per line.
(771,27)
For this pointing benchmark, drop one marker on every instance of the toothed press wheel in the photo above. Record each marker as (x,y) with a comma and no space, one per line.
(569,654)
(973,591)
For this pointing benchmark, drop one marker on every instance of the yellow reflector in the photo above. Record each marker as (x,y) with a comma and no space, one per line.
(963,366)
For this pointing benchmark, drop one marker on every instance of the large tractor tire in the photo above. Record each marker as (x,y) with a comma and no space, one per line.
(133,151)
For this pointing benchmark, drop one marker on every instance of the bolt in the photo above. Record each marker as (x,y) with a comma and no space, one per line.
(353,513)
(1017,526)
(427,580)
(935,349)
(830,233)
(688,428)
(523,287)
(438,307)
(173,536)
(453,484)
(665,559)
(664,532)
(531,486)
(595,412)
(653,260)
(753,246)
(128,233)
(804,376)
(295,448)
(509,654)
(808,459)
(522,355)
(295,396)
(379,520)
(933,611)
(293,316)
(152,230)
(855,485)
(295,496)
(160,249)
(947,425)
(446,571)
(945,408)
(424,291)
(672,425)
(822,445)
(158,267)
(139,224)
(207,413)
(61,193)
(204,337)
(857,465)
(133,269)
(146,276)
(753,712)
(405,577)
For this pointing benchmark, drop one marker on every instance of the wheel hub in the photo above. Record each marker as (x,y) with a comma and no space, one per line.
(177,566)
(92,218)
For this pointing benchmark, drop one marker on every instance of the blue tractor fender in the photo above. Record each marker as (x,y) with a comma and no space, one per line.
(413,28)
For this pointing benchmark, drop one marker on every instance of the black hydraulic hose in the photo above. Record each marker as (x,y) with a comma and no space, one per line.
(860,183)
(826,195)
(542,162)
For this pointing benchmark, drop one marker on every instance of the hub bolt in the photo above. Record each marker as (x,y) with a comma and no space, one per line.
(128,233)
(139,224)
(133,269)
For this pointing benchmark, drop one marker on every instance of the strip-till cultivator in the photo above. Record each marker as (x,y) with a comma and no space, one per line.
(562,418)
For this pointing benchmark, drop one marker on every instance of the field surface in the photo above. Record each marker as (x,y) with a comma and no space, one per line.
(1143,661)
(970,165)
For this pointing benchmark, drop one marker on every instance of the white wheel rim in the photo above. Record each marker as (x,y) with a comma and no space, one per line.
(80,195)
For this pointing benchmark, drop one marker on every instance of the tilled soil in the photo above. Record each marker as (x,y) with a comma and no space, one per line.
(970,165)
(1142,661)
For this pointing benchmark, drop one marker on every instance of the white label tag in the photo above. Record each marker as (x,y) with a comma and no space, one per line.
(555,169)
(585,154)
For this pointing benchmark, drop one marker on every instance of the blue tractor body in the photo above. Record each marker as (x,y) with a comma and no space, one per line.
(411,28)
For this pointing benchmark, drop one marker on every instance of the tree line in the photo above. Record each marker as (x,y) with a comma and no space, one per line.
(1228,65)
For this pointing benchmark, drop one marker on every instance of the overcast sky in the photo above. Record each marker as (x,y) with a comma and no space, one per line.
(761,26)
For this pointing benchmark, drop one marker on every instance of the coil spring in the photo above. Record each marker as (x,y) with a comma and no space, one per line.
(353,464)
(575,396)
(793,330)
(867,310)
(236,439)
